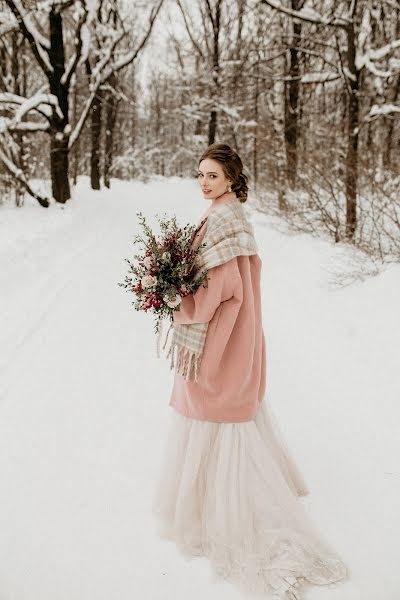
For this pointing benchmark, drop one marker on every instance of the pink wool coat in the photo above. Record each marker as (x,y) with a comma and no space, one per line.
(232,374)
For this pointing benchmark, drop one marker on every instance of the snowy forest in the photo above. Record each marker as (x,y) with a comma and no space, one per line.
(307,91)
(106,107)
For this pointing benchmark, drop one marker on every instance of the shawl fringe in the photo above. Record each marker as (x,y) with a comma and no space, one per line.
(184,361)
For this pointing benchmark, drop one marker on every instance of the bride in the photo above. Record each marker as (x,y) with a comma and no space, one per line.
(228,488)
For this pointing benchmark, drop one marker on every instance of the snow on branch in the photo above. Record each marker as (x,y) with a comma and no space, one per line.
(378,110)
(98,73)
(321,77)
(78,57)
(81,121)
(27,126)
(131,55)
(86,39)
(36,101)
(367,59)
(384,51)
(108,64)
(45,104)
(230,111)
(10,98)
(40,39)
(308,15)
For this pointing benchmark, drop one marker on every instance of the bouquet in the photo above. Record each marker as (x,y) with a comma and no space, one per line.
(164,271)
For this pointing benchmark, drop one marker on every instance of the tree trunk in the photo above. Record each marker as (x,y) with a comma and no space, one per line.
(58,137)
(18,74)
(134,127)
(59,161)
(292,100)
(351,178)
(212,127)
(237,52)
(111,116)
(255,116)
(95,129)
(198,128)
(76,147)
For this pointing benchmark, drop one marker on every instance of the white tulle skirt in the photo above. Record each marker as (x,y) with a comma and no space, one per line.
(228,491)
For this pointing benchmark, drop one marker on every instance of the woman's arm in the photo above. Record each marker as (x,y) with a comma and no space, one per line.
(201,306)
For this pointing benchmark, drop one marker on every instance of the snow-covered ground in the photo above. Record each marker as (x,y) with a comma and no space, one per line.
(84,403)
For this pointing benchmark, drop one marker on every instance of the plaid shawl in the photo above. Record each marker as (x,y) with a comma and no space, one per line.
(228,234)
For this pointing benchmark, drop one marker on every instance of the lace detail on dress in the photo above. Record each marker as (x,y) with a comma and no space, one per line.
(226,492)
(285,565)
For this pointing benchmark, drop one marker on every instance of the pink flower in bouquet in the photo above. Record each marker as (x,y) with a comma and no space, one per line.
(148,261)
(148,281)
(172,302)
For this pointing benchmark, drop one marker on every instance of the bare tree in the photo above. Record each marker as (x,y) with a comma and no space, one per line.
(51,99)
(49,53)
(359,55)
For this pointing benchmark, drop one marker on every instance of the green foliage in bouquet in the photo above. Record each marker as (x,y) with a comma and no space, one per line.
(165,271)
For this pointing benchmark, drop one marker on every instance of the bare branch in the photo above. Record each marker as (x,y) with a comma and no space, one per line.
(210,14)
(81,121)
(132,55)
(37,42)
(189,32)
(19,175)
(71,68)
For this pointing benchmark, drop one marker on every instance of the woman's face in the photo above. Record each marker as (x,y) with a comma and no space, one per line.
(212,179)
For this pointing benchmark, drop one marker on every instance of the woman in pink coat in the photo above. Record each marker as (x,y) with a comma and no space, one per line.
(228,488)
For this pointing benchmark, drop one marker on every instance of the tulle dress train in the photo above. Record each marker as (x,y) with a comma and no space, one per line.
(229,492)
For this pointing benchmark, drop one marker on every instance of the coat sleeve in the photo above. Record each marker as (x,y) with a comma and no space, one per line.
(200,306)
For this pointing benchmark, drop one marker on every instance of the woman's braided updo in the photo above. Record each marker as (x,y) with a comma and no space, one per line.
(232,166)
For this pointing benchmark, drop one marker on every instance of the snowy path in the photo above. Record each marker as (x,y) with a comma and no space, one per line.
(84,406)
